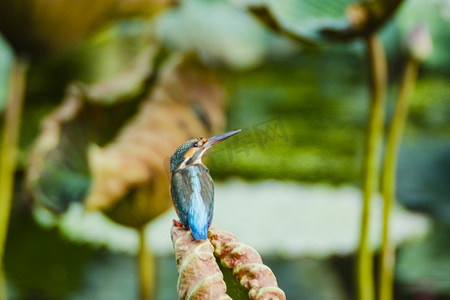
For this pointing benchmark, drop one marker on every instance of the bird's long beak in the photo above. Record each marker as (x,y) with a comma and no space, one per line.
(218,138)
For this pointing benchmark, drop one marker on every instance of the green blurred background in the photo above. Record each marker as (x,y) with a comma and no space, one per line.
(303,111)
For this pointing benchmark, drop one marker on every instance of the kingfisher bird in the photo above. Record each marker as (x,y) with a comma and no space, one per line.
(191,186)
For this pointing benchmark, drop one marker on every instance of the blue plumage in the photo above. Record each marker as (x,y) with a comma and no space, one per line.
(198,214)
(192,187)
(193,197)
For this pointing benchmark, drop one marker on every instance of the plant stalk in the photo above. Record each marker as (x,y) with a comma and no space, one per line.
(387,261)
(378,82)
(9,146)
(146,268)
(3,291)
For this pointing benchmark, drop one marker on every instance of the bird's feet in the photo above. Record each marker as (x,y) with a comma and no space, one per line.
(177,223)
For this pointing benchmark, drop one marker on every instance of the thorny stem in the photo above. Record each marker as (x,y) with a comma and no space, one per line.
(11,128)
(387,261)
(378,75)
(146,269)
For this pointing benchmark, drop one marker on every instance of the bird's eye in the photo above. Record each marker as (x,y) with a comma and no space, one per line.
(195,145)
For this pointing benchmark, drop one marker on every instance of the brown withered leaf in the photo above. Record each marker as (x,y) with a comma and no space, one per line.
(114,156)
(199,275)
(186,102)
(47,156)
(196,269)
(246,265)
(58,172)
(57,169)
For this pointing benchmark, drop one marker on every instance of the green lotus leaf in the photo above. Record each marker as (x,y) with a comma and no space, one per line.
(307,21)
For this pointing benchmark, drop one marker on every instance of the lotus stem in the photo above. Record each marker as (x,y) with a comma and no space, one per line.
(387,261)
(11,128)
(146,268)
(377,80)
(3,291)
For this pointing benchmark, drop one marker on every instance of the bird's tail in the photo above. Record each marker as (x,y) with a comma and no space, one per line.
(200,233)
(198,219)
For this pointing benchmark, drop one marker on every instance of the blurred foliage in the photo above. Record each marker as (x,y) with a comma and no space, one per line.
(289,133)
(205,27)
(429,108)
(301,112)
(305,21)
(54,267)
(58,170)
(304,98)
(425,265)
(41,28)
(186,101)
(435,15)
(5,64)
(423,176)
(183,101)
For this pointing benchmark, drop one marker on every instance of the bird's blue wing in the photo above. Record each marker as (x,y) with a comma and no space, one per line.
(180,189)
(193,195)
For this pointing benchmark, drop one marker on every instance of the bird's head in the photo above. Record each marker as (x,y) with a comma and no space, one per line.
(191,152)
